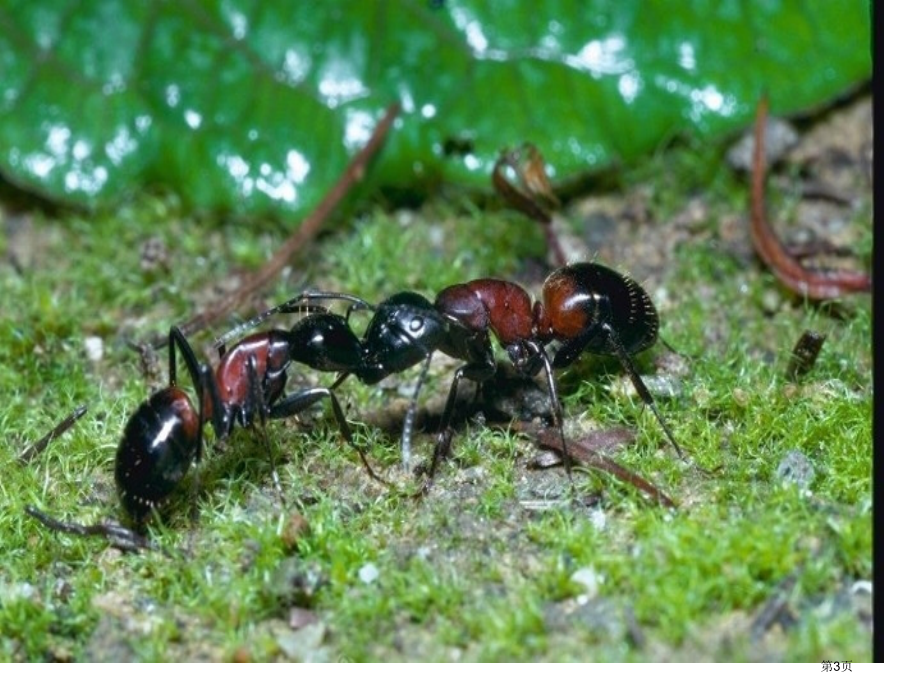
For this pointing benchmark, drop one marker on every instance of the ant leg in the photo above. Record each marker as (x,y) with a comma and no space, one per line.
(571,350)
(307,295)
(669,346)
(203,381)
(178,341)
(639,385)
(445,429)
(477,372)
(208,398)
(262,408)
(558,419)
(341,377)
(301,400)
(63,426)
(357,306)
(405,442)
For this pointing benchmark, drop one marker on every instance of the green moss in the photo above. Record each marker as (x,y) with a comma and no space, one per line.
(474,571)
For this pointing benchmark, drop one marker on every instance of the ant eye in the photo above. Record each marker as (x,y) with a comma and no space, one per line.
(416,324)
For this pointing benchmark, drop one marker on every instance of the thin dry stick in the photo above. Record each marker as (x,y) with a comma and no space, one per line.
(120,536)
(550,438)
(813,285)
(305,233)
(40,445)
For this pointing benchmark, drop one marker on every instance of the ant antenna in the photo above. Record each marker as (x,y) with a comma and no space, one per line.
(299,303)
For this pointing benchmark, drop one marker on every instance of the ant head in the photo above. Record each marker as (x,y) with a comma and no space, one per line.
(406,328)
(324,341)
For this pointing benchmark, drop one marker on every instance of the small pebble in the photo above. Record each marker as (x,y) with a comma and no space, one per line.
(861,587)
(305,644)
(779,137)
(598,519)
(12,591)
(299,617)
(771,301)
(589,580)
(797,468)
(94,348)
(368,573)
(154,255)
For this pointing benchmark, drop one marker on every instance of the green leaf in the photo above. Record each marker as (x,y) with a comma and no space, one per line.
(254,108)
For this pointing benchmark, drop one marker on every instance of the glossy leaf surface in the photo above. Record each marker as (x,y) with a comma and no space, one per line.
(254,108)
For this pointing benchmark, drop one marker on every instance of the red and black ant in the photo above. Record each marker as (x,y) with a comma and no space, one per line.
(586,308)
(165,434)
(405,329)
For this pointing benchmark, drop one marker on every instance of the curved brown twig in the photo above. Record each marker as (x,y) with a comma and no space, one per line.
(533,196)
(549,437)
(813,285)
(63,426)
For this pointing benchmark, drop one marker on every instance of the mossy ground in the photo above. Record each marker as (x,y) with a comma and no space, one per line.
(499,562)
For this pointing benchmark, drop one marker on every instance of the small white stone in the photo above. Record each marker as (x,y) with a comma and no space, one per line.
(368,573)
(861,587)
(94,348)
(589,580)
(598,519)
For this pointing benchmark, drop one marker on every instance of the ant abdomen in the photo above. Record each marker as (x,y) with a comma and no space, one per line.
(587,299)
(155,452)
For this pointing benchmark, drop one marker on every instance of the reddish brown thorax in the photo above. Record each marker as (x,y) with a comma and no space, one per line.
(264,352)
(490,303)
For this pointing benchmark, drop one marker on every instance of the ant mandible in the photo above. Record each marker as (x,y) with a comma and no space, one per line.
(165,434)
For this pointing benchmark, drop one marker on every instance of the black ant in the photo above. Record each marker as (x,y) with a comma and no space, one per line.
(165,434)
